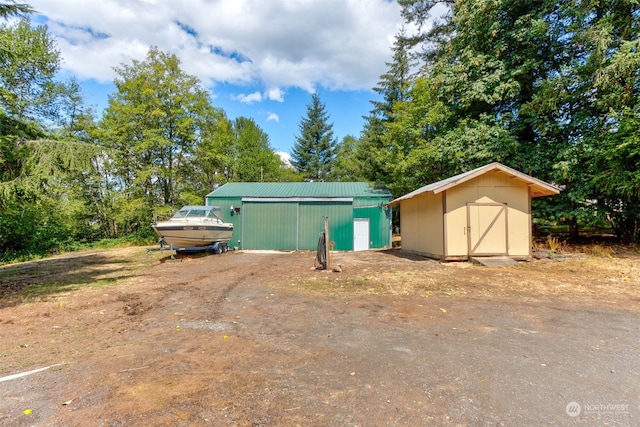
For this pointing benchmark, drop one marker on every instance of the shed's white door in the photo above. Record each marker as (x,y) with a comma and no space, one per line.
(487,229)
(360,234)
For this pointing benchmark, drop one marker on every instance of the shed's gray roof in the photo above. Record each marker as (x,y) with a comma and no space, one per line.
(299,189)
(538,188)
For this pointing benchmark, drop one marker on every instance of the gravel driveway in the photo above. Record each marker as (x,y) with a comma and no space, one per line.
(262,339)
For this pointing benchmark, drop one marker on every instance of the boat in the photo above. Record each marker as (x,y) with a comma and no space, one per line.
(193,226)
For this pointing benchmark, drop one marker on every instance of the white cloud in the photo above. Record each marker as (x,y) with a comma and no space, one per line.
(249,99)
(275,94)
(274,117)
(339,44)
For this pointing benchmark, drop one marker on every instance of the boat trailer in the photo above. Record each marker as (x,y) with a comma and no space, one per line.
(216,248)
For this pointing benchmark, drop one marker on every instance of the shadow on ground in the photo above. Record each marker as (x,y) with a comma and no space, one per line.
(20,282)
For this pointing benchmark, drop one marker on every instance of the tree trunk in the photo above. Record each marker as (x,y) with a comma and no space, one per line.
(574,231)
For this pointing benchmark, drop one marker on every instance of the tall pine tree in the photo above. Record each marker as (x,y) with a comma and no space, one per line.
(11,8)
(374,151)
(314,152)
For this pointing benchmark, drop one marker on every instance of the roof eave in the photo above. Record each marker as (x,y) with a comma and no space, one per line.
(537,187)
(542,191)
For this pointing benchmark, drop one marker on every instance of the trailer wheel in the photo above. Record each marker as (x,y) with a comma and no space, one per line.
(218,249)
(225,248)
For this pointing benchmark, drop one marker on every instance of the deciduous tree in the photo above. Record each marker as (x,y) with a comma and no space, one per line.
(29,62)
(152,126)
(253,158)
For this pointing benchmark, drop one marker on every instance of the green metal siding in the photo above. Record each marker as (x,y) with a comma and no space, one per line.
(270,225)
(312,223)
(289,224)
(379,231)
(225,213)
(379,218)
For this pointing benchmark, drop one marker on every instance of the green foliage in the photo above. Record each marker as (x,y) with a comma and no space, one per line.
(347,167)
(40,204)
(28,64)
(253,159)
(615,165)
(471,144)
(376,153)
(550,88)
(14,9)
(313,153)
(13,151)
(41,199)
(152,127)
(212,155)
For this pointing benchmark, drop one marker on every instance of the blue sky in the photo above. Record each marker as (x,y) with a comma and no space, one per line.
(259,58)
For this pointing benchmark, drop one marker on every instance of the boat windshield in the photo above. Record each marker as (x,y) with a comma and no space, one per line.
(197,213)
(212,214)
(181,213)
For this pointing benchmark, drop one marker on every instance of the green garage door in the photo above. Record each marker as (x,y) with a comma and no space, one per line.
(312,223)
(269,225)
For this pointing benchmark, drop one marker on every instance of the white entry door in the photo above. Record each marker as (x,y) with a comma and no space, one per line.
(360,234)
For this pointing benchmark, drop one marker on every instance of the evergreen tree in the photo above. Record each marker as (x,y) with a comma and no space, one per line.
(611,137)
(547,87)
(43,169)
(14,9)
(375,151)
(314,152)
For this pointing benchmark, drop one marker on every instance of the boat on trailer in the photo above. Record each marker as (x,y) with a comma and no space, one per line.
(194,227)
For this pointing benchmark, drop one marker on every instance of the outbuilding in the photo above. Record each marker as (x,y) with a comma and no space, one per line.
(480,213)
(290,215)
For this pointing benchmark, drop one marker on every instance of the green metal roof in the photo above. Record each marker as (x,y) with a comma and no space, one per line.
(299,189)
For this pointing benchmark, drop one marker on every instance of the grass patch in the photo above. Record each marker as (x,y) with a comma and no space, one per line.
(28,281)
(555,244)
(357,282)
(75,246)
(329,285)
(599,251)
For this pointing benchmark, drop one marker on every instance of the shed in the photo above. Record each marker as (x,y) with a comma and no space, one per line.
(482,212)
(290,215)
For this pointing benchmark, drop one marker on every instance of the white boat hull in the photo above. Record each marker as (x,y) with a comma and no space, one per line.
(186,231)
(192,235)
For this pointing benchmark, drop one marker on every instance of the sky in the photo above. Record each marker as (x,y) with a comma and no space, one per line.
(260,59)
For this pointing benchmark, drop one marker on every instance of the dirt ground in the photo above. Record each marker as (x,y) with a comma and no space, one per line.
(127,337)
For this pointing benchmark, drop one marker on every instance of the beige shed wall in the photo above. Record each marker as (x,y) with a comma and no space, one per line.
(492,187)
(421,225)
